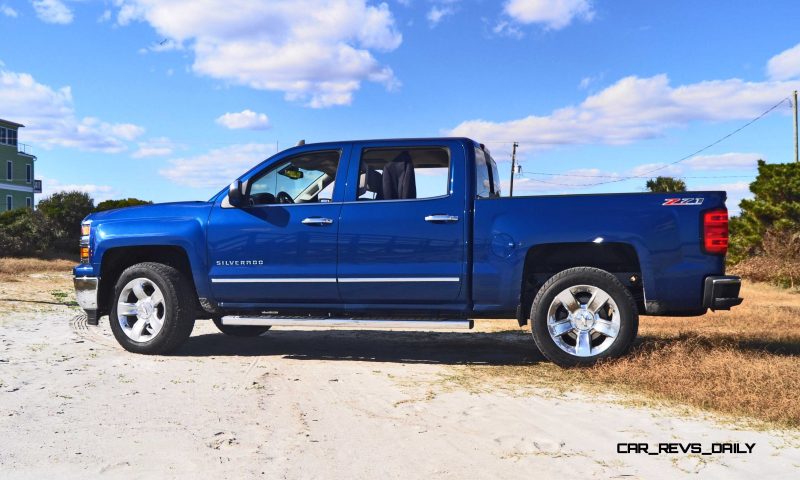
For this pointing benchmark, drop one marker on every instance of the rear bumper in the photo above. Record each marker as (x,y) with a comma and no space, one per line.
(86,295)
(722,292)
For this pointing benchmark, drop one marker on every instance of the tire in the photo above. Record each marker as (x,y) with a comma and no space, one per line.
(239,330)
(582,315)
(161,297)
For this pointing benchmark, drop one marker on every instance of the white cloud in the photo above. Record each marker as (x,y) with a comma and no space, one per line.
(437,13)
(737,191)
(649,170)
(631,109)
(8,11)
(315,51)
(213,169)
(570,182)
(246,119)
(785,65)
(50,120)
(724,161)
(508,29)
(590,80)
(155,147)
(553,14)
(52,11)
(98,192)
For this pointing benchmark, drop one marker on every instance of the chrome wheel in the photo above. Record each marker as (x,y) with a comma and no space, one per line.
(141,309)
(583,320)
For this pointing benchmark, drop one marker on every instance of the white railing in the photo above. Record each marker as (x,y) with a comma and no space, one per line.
(23,148)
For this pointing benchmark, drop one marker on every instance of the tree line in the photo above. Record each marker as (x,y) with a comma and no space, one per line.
(53,229)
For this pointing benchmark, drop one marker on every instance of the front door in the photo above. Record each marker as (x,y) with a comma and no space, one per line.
(403,227)
(281,247)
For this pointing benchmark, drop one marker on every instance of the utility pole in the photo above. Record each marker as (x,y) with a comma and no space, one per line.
(796,159)
(514,167)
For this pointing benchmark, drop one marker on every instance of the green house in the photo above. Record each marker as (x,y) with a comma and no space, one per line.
(17,185)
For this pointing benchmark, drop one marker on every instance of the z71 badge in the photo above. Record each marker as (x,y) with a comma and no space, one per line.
(682,201)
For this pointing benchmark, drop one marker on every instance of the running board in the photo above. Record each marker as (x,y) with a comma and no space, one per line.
(277,321)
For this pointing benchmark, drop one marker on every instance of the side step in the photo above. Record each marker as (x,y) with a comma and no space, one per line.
(279,321)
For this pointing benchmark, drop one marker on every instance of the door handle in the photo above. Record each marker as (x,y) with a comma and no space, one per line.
(441,218)
(318,221)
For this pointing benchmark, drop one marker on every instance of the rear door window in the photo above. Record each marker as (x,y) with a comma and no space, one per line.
(403,173)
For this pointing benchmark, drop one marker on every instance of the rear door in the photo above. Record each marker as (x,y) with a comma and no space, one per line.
(403,227)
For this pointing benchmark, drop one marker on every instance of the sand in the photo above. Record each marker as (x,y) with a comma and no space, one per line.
(321,404)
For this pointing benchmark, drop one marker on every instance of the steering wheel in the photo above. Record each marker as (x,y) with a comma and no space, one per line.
(283,197)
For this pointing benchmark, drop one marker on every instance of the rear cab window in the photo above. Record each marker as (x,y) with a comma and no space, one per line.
(487,180)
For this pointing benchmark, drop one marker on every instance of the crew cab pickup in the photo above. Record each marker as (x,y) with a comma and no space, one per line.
(404,233)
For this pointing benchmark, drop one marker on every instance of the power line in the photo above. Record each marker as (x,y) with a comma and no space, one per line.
(662,167)
(619,176)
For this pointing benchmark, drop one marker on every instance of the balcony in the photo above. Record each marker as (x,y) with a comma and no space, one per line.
(37,186)
(25,149)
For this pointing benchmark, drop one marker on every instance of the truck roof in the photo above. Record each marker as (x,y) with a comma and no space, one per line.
(390,140)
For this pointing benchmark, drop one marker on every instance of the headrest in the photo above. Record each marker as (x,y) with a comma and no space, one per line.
(370,181)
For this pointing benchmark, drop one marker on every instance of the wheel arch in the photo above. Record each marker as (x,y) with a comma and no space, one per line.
(545,260)
(116,260)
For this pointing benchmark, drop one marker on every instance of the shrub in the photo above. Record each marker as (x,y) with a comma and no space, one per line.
(122,203)
(777,262)
(775,207)
(666,185)
(30,234)
(66,210)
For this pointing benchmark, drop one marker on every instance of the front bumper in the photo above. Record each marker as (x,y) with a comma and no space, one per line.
(86,294)
(722,292)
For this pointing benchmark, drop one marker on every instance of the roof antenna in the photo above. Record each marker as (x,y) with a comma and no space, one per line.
(301,143)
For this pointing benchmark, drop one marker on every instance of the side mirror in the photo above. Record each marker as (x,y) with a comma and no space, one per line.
(235,194)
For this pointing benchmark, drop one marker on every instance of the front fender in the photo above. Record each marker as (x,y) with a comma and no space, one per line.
(187,233)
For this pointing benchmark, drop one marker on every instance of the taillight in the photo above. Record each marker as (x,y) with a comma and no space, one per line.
(715,231)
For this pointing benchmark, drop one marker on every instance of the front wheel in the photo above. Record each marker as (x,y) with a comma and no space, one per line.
(582,315)
(152,311)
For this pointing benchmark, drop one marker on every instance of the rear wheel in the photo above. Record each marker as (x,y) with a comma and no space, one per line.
(152,311)
(239,330)
(582,315)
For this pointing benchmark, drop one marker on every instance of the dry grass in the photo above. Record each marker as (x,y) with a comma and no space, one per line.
(33,285)
(742,363)
(22,266)
(778,261)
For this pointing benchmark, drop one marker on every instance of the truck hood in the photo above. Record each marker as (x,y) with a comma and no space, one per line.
(156,211)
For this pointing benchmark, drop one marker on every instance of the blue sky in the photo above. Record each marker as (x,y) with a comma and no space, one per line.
(172,99)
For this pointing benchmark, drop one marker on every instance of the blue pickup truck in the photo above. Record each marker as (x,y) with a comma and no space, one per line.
(404,233)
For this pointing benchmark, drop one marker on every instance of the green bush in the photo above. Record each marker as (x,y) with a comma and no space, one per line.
(26,233)
(666,185)
(125,202)
(66,210)
(775,207)
(54,227)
